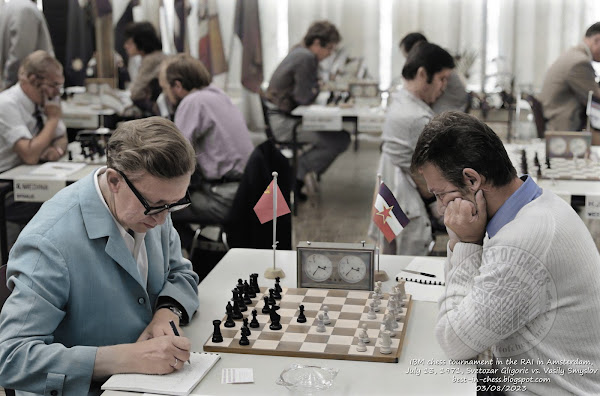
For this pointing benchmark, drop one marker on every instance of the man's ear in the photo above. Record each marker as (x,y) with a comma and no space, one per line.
(472,179)
(113,180)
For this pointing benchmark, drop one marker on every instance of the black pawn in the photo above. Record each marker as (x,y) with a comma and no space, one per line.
(254,280)
(254,322)
(266,309)
(244,340)
(241,304)
(251,291)
(245,328)
(217,336)
(276,293)
(247,300)
(301,317)
(272,297)
(229,322)
(237,313)
(277,285)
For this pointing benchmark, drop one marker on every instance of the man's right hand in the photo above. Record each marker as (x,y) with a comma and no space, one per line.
(52,108)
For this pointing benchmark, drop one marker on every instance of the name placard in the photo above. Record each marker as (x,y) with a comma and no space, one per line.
(592,206)
(29,189)
(322,121)
(370,122)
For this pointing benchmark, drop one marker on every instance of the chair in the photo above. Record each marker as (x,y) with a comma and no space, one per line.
(538,114)
(292,145)
(4,293)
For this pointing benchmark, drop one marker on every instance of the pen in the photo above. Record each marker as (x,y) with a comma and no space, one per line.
(420,273)
(176,332)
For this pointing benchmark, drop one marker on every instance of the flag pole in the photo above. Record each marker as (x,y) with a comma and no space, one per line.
(272,273)
(379,275)
(588,110)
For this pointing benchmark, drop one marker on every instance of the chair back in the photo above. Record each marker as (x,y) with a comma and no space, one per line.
(4,290)
(266,111)
(538,114)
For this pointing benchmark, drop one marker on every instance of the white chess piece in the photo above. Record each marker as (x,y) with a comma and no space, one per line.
(363,335)
(320,325)
(326,319)
(386,343)
(361,347)
(372,314)
(387,325)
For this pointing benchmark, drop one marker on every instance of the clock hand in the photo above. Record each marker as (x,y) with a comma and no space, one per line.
(318,268)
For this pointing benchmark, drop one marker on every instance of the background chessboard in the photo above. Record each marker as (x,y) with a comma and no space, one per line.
(347,311)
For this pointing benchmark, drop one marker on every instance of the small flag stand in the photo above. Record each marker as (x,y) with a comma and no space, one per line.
(272,273)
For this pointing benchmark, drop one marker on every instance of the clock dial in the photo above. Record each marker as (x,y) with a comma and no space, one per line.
(557,145)
(578,147)
(352,269)
(318,267)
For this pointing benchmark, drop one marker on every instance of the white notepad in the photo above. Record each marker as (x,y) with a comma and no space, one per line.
(180,382)
(426,265)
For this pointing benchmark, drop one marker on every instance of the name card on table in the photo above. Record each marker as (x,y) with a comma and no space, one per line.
(370,122)
(30,189)
(321,118)
(592,207)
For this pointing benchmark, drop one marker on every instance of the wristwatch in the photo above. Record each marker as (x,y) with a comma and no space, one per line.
(173,309)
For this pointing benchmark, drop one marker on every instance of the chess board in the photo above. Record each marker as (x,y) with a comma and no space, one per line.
(347,311)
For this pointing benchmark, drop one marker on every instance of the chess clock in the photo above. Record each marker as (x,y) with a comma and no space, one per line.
(328,265)
(568,144)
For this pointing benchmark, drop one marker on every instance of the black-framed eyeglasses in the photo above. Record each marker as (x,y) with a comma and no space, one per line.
(152,210)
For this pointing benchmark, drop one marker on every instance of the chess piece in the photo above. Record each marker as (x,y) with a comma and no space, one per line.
(361,347)
(387,324)
(254,322)
(240,285)
(245,328)
(217,336)
(320,324)
(247,300)
(229,322)
(244,340)
(326,319)
(276,293)
(277,285)
(385,343)
(251,291)
(547,162)
(265,308)
(371,314)
(363,335)
(275,318)
(254,282)
(237,313)
(272,297)
(70,156)
(301,316)
(376,304)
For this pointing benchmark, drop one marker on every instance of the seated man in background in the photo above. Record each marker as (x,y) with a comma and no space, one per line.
(296,82)
(425,74)
(217,130)
(141,39)
(97,274)
(529,289)
(565,89)
(455,95)
(31,129)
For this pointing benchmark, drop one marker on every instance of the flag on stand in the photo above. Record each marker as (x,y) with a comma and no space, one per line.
(388,215)
(264,206)
(593,111)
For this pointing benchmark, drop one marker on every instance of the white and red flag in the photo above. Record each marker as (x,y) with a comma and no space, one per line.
(388,215)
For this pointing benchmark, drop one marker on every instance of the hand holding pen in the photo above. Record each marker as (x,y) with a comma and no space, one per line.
(176,332)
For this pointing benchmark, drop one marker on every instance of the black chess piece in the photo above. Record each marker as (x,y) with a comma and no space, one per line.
(247,300)
(254,322)
(229,321)
(70,155)
(265,309)
(272,297)
(536,160)
(250,289)
(237,313)
(236,294)
(547,162)
(275,318)
(301,316)
(241,304)
(245,328)
(244,340)
(277,285)
(240,285)
(217,336)
(254,282)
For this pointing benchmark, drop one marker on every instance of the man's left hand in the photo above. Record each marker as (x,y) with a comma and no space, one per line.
(160,325)
(467,220)
(51,153)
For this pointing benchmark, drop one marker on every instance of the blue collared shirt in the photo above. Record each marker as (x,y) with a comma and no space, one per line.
(507,212)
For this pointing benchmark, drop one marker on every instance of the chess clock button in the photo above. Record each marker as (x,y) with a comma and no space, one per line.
(318,267)
(578,147)
(352,269)
(557,146)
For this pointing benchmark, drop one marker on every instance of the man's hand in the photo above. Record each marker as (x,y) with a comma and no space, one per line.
(160,325)
(51,153)
(465,221)
(52,109)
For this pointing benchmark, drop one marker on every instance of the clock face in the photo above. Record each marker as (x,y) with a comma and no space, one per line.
(578,147)
(318,267)
(352,269)
(557,146)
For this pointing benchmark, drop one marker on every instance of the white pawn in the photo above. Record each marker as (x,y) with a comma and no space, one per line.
(363,335)
(387,325)
(320,325)
(386,343)
(372,314)
(326,319)
(377,303)
(361,347)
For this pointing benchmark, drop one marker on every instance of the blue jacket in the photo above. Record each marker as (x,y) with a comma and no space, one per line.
(76,286)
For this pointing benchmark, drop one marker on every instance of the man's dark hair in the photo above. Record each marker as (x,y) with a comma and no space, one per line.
(190,72)
(144,36)
(410,40)
(453,141)
(325,31)
(594,29)
(430,56)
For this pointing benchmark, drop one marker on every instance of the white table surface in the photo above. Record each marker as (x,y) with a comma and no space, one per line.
(354,378)
(352,111)
(23,170)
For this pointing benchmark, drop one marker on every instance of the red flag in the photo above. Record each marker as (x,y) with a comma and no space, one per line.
(388,215)
(264,206)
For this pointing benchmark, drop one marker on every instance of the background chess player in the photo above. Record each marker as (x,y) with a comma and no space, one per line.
(97,274)
(522,271)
